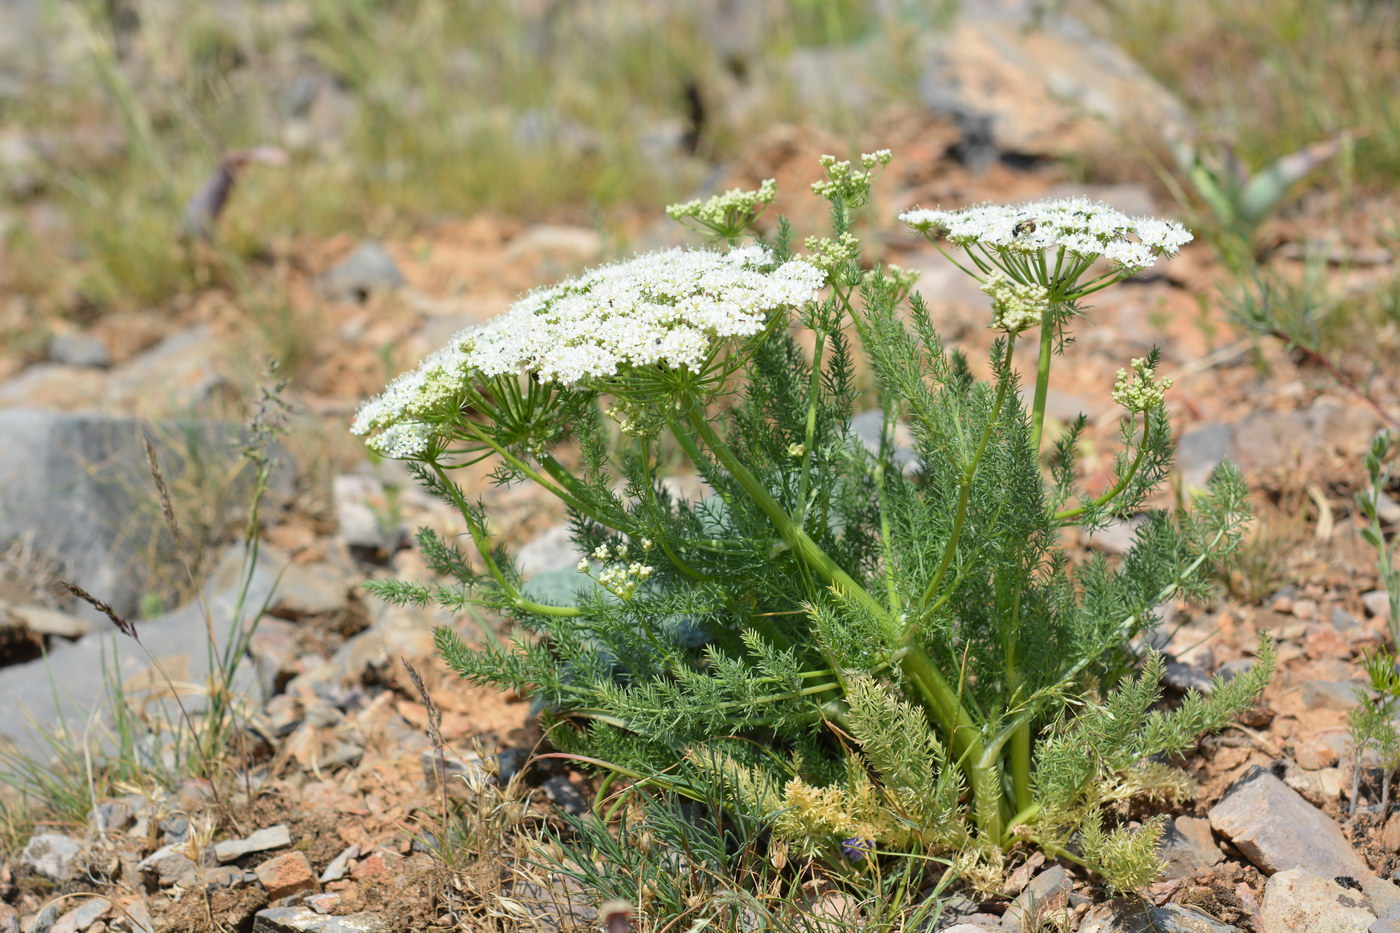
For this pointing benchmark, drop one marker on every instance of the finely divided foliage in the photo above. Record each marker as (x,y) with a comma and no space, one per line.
(869,657)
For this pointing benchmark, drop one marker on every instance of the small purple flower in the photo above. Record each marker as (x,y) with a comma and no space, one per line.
(857,847)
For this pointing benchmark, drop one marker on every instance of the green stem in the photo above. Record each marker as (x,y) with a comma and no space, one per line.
(1042,378)
(1113,493)
(811,432)
(483,547)
(965,484)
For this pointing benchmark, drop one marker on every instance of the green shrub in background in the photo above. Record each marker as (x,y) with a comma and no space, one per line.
(870,659)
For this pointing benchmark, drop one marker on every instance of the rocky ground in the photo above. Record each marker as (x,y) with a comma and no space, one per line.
(329,817)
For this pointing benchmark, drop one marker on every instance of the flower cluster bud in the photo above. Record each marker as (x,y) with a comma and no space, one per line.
(1140,390)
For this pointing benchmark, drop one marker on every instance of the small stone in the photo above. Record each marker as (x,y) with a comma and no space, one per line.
(1328,694)
(305,920)
(464,775)
(1298,901)
(76,921)
(286,874)
(1377,603)
(570,246)
(378,862)
(1305,609)
(1186,677)
(565,795)
(309,590)
(339,865)
(44,621)
(1314,755)
(170,866)
(1343,620)
(1277,830)
(365,517)
(1390,834)
(966,928)
(1116,537)
(79,350)
(114,816)
(52,855)
(1126,917)
(1047,892)
(273,837)
(368,268)
(323,903)
(1187,847)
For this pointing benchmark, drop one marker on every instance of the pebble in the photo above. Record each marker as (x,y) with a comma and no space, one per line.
(368,268)
(1377,603)
(287,874)
(75,921)
(1328,694)
(52,855)
(339,865)
(1187,847)
(273,837)
(170,866)
(79,350)
(565,795)
(1047,892)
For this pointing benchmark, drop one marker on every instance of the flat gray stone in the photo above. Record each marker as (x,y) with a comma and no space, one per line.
(273,837)
(305,920)
(77,490)
(79,350)
(1120,917)
(71,681)
(368,268)
(1278,830)
(170,866)
(1301,902)
(340,865)
(1329,694)
(1047,893)
(52,855)
(1188,847)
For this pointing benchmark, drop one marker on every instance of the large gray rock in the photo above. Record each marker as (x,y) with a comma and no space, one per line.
(1298,901)
(77,490)
(1039,86)
(1278,830)
(305,920)
(73,680)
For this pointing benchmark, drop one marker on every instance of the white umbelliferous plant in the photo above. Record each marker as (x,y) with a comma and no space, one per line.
(876,659)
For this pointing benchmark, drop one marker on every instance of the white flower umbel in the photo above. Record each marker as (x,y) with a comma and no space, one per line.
(1052,243)
(669,310)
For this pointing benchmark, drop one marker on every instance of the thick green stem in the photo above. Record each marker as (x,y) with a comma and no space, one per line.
(941,700)
(1042,377)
